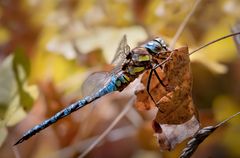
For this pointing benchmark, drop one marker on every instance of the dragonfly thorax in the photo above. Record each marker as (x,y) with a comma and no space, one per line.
(140,57)
(138,60)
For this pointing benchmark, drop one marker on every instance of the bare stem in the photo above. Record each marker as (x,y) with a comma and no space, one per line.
(111,126)
(214,41)
(183,24)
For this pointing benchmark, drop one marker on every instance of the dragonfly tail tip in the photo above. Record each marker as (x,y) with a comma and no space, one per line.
(18,142)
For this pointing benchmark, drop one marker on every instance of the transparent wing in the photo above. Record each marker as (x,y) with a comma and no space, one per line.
(94,82)
(122,52)
(98,80)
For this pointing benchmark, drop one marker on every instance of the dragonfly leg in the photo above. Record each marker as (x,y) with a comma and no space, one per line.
(148,86)
(159,79)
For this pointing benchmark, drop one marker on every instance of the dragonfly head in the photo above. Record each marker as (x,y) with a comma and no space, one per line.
(156,46)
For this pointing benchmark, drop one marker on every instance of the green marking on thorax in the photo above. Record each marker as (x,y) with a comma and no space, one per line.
(135,70)
(144,58)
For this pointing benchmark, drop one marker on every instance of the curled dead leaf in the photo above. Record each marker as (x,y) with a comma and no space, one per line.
(177,118)
(170,135)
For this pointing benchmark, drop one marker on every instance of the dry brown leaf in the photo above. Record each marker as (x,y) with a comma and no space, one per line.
(177,118)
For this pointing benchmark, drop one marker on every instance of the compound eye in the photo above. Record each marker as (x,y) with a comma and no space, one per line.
(151,43)
(160,40)
(153,47)
(162,43)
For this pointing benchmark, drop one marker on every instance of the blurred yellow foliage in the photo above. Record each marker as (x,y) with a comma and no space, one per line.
(223,107)
(4,35)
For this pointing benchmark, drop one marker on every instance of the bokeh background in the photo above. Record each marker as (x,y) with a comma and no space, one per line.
(49,47)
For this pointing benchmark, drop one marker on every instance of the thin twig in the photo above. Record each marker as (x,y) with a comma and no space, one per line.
(114,135)
(200,136)
(111,126)
(183,24)
(214,41)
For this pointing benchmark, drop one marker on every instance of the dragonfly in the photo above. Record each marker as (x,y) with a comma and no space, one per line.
(129,64)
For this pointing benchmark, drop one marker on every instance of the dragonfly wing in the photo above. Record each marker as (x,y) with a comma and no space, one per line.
(95,82)
(122,52)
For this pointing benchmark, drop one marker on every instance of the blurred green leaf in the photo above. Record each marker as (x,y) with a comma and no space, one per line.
(21,68)
(4,35)
(8,85)
(16,96)
(3,133)
(20,59)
